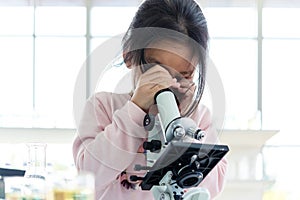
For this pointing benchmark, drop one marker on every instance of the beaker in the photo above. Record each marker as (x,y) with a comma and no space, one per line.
(36,164)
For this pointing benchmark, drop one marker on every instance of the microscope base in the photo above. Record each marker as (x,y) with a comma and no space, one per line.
(169,190)
(163,193)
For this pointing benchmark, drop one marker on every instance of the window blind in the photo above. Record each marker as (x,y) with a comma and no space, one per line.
(70,2)
(227,3)
(203,3)
(281,3)
(43,2)
(250,3)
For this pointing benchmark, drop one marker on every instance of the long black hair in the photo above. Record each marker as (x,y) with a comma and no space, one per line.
(176,18)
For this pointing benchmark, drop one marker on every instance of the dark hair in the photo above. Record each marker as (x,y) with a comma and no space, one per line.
(182,17)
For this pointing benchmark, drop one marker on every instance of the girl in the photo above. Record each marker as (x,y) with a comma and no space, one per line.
(165,46)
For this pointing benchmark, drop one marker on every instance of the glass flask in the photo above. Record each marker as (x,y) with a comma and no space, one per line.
(35,186)
(36,163)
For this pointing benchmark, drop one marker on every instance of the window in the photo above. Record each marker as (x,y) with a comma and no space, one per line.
(43,53)
(233,49)
(16,72)
(281,67)
(281,108)
(57,45)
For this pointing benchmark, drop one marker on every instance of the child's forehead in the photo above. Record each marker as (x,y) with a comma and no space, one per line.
(172,47)
(168,44)
(167,49)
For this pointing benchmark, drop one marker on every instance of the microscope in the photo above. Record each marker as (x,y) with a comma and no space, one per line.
(176,164)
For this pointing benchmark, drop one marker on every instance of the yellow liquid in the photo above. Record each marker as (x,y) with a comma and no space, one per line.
(9,196)
(56,194)
(61,194)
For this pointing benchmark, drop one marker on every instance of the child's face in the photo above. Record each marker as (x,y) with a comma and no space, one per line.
(181,63)
(177,58)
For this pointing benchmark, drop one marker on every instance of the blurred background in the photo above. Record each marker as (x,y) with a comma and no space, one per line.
(254,44)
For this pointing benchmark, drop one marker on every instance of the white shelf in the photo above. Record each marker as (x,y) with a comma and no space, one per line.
(42,135)
(245,147)
(246,190)
(248,184)
(246,138)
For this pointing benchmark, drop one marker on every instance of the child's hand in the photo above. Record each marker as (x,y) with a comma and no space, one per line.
(149,83)
(184,94)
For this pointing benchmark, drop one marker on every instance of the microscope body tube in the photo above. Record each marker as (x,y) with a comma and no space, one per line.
(167,107)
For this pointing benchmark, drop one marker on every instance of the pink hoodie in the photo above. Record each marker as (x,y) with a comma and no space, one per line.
(109,135)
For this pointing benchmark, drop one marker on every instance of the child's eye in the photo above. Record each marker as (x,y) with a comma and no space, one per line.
(187,75)
(148,61)
(178,77)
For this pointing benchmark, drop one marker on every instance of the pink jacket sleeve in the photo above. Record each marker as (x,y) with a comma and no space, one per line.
(109,136)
